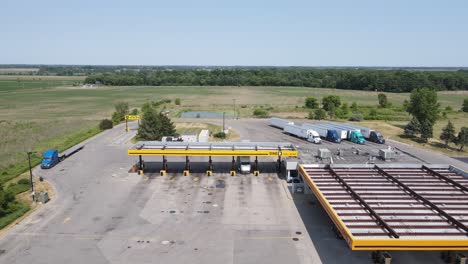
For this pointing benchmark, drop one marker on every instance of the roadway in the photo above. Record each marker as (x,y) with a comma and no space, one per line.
(104,214)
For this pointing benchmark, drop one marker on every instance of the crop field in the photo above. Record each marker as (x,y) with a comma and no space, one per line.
(38,112)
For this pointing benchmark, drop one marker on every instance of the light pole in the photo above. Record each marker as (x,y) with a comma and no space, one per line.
(30,175)
(234,103)
(223,122)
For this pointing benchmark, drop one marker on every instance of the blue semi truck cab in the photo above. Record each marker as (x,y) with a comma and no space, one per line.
(50,159)
(332,136)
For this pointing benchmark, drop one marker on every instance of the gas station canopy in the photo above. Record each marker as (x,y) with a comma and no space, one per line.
(265,149)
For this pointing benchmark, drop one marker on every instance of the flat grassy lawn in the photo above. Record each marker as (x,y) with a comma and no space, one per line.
(38,112)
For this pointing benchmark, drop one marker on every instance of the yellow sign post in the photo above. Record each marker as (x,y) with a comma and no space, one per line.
(131,118)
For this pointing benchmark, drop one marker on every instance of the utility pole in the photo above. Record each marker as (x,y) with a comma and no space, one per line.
(234,103)
(223,122)
(30,175)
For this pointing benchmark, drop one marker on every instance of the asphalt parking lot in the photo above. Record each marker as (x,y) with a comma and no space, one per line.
(104,214)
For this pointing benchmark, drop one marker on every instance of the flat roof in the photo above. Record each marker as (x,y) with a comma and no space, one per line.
(158,148)
(392,206)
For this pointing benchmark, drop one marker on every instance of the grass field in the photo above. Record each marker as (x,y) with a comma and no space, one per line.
(39,112)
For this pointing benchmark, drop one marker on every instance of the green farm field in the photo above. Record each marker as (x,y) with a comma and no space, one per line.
(40,112)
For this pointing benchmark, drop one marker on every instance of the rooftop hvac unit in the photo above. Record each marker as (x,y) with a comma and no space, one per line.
(324,153)
(386,154)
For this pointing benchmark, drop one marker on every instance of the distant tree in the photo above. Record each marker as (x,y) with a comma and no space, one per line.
(383,101)
(462,138)
(448,133)
(426,130)
(177,101)
(320,114)
(448,108)
(413,128)
(424,107)
(372,113)
(154,125)
(354,107)
(122,108)
(116,118)
(465,105)
(405,104)
(345,109)
(331,103)
(311,102)
(134,111)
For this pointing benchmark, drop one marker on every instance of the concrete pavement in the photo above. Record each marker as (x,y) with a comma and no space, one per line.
(104,214)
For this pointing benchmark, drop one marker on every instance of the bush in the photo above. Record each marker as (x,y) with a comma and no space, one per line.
(356,117)
(220,135)
(134,111)
(311,102)
(465,105)
(116,118)
(24,181)
(260,113)
(320,114)
(15,189)
(177,101)
(20,210)
(105,124)
(448,108)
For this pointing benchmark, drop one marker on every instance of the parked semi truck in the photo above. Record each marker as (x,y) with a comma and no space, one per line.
(302,132)
(51,157)
(352,134)
(369,134)
(328,134)
(279,123)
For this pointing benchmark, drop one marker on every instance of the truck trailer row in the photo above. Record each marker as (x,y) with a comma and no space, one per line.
(330,131)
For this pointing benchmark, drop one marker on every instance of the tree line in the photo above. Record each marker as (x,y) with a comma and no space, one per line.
(358,79)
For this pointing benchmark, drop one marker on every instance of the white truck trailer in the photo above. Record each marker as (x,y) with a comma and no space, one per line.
(325,132)
(370,134)
(279,123)
(302,132)
(342,132)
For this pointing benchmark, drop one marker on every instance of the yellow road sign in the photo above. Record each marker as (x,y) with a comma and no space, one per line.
(132,117)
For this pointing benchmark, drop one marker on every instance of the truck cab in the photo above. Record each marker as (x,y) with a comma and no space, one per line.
(315,137)
(243,163)
(356,137)
(332,136)
(376,137)
(49,159)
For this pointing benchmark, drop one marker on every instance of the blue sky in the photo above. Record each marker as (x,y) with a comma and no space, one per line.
(241,32)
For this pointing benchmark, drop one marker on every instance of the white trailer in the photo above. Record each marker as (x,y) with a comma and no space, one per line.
(342,132)
(369,134)
(301,132)
(279,123)
(364,130)
(320,130)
